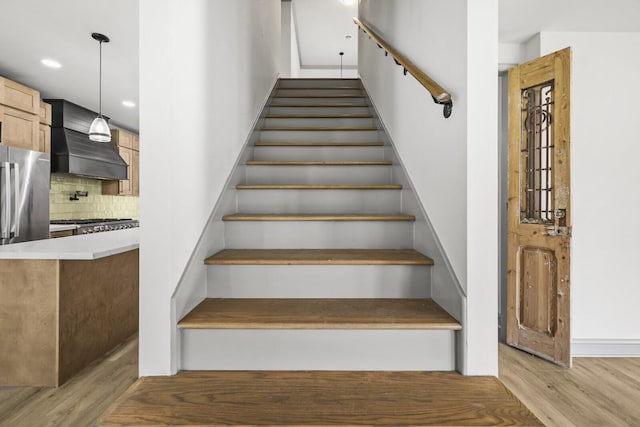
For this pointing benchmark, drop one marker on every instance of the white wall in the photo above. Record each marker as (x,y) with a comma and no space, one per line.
(206,67)
(333,73)
(452,162)
(286,21)
(295,48)
(604,178)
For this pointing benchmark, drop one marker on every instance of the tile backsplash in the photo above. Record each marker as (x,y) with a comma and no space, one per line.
(95,205)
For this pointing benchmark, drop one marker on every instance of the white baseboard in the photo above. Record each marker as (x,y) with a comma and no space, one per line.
(588,347)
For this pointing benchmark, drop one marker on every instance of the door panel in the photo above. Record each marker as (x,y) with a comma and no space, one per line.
(539,212)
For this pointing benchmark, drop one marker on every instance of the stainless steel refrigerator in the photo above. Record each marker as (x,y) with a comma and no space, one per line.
(24,195)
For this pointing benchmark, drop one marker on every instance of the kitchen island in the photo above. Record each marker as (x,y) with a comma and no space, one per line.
(65,302)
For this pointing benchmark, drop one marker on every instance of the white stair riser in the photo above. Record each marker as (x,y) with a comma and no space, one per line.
(397,350)
(319,201)
(324,135)
(372,153)
(318,175)
(318,83)
(314,101)
(313,92)
(274,109)
(318,281)
(328,123)
(318,234)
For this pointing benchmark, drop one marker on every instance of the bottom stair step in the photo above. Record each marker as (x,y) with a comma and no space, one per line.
(318,334)
(319,398)
(311,313)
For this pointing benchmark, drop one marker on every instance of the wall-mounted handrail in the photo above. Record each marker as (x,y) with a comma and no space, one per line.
(439,95)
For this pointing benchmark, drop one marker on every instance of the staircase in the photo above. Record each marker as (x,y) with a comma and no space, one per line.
(319,298)
(319,270)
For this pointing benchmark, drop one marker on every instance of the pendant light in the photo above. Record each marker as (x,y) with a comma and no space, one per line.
(99,130)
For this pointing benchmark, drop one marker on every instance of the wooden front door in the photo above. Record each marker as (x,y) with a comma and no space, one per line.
(539,211)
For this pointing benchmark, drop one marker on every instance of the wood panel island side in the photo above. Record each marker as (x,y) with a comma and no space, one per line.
(64,303)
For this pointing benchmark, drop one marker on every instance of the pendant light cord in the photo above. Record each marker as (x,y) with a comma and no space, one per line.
(100,84)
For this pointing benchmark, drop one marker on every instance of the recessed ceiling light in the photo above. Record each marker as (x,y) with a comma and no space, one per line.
(51,63)
(348,36)
(348,2)
(129,104)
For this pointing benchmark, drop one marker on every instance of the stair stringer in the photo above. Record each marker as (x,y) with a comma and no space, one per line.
(445,286)
(191,289)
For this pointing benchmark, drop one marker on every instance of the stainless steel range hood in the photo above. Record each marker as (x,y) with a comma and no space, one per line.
(71,150)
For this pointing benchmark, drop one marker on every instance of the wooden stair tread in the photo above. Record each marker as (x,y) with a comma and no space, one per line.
(318,217)
(321,88)
(321,96)
(319,105)
(317,129)
(309,79)
(318,257)
(319,187)
(318,313)
(319,116)
(327,398)
(319,163)
(318,144)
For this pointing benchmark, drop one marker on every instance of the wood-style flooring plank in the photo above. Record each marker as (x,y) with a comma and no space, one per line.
(319,313)
(287,398)
(80,401)
(594,392)
(318,257)
(318,217)
(319,187)
(318,144)
(319,163)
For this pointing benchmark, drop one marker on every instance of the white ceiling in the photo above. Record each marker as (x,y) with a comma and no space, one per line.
(521,19)
(61,30)
(321,27)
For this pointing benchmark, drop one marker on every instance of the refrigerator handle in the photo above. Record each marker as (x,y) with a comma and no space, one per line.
(5,214)
(16,204)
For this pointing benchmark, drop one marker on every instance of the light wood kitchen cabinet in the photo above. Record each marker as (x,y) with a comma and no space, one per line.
(19,129)
(20,97)
(135,172)
(22,116)
(45,127)
(125,143)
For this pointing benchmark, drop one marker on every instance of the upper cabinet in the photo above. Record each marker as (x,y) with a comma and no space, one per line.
(20,110)
(18,96)
(128,147)
(45,127)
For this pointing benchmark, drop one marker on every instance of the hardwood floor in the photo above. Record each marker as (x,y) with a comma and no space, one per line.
(327,398)
(80,401)
(595,392)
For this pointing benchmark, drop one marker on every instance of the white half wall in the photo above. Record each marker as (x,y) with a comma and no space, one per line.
(206,67)
(451,162)
(605,149)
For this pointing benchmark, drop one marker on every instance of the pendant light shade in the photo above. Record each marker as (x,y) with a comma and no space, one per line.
(99,130)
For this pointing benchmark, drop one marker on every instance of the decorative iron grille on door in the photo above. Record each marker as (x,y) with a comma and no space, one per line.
(536,155)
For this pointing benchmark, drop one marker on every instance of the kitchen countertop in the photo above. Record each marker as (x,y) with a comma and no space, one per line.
(84,247)
(62,227)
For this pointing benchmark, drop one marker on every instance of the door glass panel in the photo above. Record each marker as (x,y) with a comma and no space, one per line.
(536,154)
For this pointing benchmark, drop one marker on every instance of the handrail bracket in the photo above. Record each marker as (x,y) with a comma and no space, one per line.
(439,95)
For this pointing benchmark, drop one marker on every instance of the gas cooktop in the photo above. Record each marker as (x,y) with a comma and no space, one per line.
(88,221)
